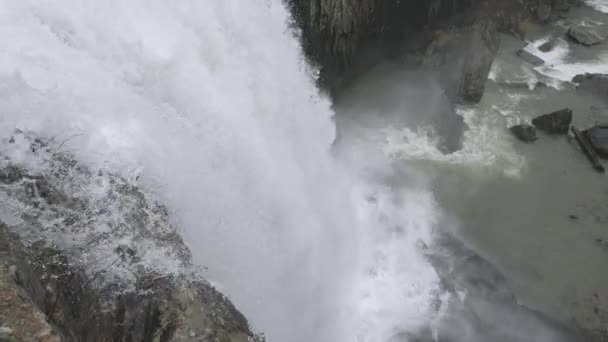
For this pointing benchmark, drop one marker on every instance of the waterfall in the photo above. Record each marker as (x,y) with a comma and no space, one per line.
(210,106)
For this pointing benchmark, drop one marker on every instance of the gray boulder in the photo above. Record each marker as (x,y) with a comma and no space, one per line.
(594,83)
(530,58)
(524,132)
(598,137)
(557,122)
(584,35)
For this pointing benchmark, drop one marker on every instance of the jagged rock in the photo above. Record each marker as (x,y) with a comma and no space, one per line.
(95,256)
(482,49)
(524,132)
(598,138)
(530,58)
(547,46)
(584,35)
(557,122)
(594,83)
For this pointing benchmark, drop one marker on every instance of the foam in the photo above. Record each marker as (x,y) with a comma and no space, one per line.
(210,106)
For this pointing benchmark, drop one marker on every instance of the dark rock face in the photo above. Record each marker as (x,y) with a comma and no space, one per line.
(557,122)
(584,35)
(104,267)
(530,58)
(525,133)
(594,83)
(598,137)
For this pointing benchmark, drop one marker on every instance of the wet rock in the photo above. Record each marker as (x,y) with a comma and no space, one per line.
(598,138)
(529,57)
(483,47)
(524,132)
(593,83)
(547,46)
(557,122)
(584,35)
(117,272)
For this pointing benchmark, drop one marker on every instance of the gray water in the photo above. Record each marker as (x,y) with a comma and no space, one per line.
(538,212)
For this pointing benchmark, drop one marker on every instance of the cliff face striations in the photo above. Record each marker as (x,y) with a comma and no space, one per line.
(334,33)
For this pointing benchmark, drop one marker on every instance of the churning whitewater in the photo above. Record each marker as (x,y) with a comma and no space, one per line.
(211,107)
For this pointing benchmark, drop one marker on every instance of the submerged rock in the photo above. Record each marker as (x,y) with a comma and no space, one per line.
(95,256)
(481,305)
(557,122)
(530,58)
(598,138)
(524,132)
(547,46)
(594,83)
(584,35)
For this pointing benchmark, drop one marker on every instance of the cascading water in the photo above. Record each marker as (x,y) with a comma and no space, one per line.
(210,105)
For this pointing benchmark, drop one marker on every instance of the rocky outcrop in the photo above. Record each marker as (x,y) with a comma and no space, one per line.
(584,35)
(593,83)
(524,132)
(93,255)
(557,122)
(335,32)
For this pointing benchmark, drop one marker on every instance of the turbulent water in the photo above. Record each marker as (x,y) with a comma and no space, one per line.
(210,106)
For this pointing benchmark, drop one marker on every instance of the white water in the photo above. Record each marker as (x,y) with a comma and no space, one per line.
(600,5)
(560,67)
(211,104)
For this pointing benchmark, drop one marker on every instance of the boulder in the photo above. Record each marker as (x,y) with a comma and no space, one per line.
(547,46)
(598,138)
(584,35)
(524,132)
(530,57)
(557,122)
(594,83)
